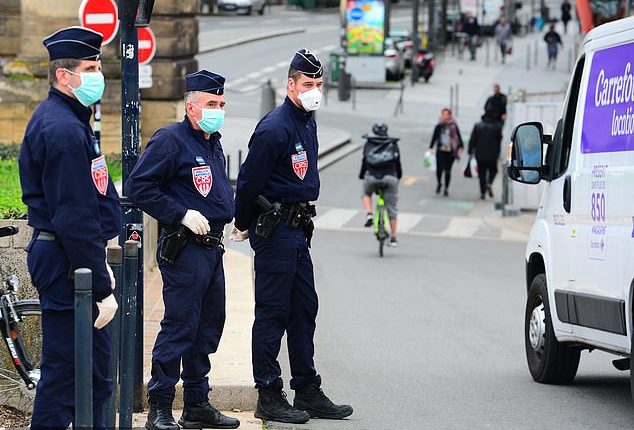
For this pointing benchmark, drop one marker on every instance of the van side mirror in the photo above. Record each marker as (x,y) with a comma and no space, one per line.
(527,153)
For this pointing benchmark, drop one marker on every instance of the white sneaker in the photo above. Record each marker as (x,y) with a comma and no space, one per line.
(393,243)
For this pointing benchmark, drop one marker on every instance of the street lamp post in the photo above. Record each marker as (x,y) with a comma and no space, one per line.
(415,40)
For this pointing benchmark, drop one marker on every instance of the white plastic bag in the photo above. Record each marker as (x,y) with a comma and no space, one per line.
(429,160)
(470,168)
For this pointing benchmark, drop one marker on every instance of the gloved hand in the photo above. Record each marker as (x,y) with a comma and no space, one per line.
(107,309)
(239,236)
(196,222)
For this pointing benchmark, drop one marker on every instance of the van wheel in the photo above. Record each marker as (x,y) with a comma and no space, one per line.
(549,361)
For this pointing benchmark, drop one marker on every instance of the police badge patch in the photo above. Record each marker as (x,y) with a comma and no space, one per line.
(99,173)
(300,164)
(202,179)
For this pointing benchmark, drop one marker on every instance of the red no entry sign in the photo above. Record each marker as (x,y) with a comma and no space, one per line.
(147,45)
(101,16)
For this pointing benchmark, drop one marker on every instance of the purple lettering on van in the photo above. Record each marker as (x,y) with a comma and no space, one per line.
(608,120)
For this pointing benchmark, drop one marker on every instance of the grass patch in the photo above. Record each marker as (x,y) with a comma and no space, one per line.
(11,206)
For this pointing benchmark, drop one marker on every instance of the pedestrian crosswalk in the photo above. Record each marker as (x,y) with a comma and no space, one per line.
(418,224)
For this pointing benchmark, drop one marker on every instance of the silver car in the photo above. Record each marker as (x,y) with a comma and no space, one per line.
(243,7)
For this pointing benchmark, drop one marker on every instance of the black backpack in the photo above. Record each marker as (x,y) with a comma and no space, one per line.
(381,153)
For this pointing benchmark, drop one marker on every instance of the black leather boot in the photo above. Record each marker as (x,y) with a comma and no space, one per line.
(312,399)
(203,415)
(273,406)
(160,418)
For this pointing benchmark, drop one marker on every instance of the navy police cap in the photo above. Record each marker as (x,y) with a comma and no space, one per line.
(74,42)
(306,63)
(206,81)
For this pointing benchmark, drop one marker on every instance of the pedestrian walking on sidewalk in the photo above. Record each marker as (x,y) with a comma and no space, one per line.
(496,105)
(504,37)
(276,184)
(472,29)
(74,210)
(565,14)
(449,145)
(553,40)
(181,181)
(485,144)
(381,168)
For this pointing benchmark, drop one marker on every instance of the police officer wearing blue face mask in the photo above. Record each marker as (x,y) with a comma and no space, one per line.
(181,181)
(73,208)
(276,183)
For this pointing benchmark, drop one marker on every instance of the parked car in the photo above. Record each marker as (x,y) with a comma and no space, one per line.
(243,7)
(405,42)
(394,60)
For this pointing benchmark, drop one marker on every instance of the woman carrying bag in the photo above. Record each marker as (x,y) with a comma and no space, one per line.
(448,143)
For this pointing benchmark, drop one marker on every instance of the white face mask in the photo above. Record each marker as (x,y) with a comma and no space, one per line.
(310,100)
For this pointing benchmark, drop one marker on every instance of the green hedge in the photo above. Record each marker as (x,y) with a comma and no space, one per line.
(11,206)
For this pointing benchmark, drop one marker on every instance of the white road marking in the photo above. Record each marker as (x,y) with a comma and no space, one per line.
(335,218)
(407,221)
(254,75)
(462,227)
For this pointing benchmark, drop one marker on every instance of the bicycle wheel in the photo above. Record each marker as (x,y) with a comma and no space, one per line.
(27,344)
(381,231)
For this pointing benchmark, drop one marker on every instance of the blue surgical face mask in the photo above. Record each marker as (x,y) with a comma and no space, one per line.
(211,120)
(91,88)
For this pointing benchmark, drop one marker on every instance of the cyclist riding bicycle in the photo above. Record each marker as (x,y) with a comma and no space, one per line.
(381,169)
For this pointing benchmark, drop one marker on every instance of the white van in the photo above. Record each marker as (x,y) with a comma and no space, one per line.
(580,253)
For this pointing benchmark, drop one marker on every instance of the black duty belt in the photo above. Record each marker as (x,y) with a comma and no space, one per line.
(213,238)
(297,214)
(45,235)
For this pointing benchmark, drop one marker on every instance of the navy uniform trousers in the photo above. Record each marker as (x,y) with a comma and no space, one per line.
(194,298)
(285,300)
(55,397)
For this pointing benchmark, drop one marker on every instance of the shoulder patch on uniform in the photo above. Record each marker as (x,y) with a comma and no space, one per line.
(99,173)
(202,179)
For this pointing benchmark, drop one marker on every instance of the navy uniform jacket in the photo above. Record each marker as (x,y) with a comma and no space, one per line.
(181,170)
(282,146)
(66,189)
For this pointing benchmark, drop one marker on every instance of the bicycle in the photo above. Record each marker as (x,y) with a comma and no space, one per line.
(381,219)
(20,325)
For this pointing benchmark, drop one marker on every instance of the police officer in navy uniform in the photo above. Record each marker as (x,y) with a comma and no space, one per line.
(181,181)
(276,183)
(73,208)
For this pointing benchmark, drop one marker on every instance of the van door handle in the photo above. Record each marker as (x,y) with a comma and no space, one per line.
(567,193)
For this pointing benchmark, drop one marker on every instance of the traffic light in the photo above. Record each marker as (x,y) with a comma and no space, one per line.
(135,12)
(145,13)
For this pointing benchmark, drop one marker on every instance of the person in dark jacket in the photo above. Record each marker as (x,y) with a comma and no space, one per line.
(449,145)
(485,143)
(553,40)
(565,14)
(381,168)
(472,29)
(496,104)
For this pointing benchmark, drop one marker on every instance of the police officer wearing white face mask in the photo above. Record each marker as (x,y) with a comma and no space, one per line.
(281,167)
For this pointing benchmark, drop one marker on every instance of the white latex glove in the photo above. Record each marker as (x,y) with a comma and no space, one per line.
(239,236)
(196,222)
(107,309)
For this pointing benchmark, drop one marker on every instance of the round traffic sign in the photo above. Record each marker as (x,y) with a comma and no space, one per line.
(101,16)
(147,45)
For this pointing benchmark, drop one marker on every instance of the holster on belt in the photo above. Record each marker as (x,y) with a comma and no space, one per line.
(174,241)
(269,217)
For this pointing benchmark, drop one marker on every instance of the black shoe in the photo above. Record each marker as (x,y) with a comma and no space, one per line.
(482,196)
(445,193)
(369,220)
(273,406)
(312,399)
(490,191)
(160,417)
(203,415)
(438,189)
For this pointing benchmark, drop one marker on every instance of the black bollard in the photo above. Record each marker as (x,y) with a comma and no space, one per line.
(128,332)
(83,348)
(344,90)
(267,102)
(115,261)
